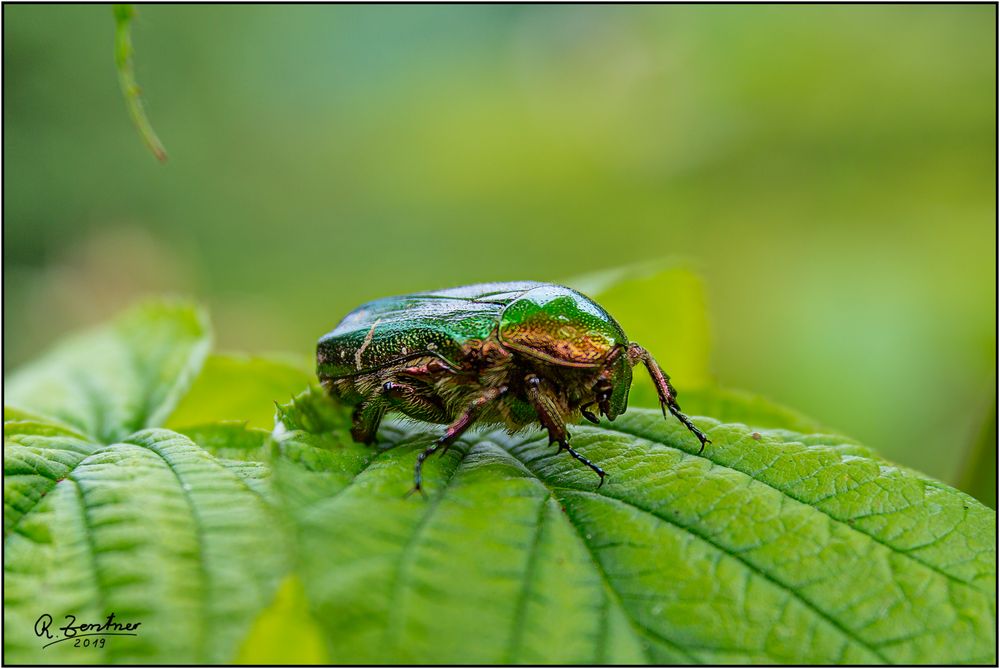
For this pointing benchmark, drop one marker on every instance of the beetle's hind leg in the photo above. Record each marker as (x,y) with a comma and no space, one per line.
(414,400)
(666,392)
(409,398)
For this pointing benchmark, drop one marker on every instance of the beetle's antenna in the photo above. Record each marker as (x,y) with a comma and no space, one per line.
(666,392)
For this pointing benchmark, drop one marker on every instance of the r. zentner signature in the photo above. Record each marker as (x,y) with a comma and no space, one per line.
(75,630)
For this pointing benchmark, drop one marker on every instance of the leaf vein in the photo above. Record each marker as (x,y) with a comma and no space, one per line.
(707,539)
(840,521)
(47,489)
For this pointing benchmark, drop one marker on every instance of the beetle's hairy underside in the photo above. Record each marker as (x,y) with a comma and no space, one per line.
(545,355)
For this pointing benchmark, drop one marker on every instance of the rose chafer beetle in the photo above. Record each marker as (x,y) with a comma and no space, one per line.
(511,354)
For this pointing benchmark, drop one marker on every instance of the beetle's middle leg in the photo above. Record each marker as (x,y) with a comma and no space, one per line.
(454,431)
(548,414)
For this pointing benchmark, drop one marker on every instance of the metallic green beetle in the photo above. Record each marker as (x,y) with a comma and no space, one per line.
(510,354)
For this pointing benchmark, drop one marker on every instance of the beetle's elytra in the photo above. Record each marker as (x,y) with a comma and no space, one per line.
(510,354)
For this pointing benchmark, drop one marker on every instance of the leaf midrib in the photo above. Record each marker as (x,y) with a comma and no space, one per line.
(88,530)
(199,530)
(610,594)
(395,622)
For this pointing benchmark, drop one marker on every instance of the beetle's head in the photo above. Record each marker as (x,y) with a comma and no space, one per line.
(612,386)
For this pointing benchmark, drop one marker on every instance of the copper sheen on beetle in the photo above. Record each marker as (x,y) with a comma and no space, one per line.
(511,354)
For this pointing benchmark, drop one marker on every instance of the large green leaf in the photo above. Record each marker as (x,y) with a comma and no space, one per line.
(152,529)
(119,378)
(102,516)
(771,546)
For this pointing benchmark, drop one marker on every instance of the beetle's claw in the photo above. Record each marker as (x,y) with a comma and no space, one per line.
(686,422)
(702,437)
(415,488)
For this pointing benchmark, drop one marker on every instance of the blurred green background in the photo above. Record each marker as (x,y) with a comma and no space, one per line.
(829,170)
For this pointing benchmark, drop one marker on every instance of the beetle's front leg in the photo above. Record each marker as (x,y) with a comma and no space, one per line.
(454,431)
(544,406)
(666,392)
(588,414)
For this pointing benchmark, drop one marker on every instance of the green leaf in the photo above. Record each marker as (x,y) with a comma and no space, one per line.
(105,516)
(120,378)
(152,529)
(769,547)
(240,388)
